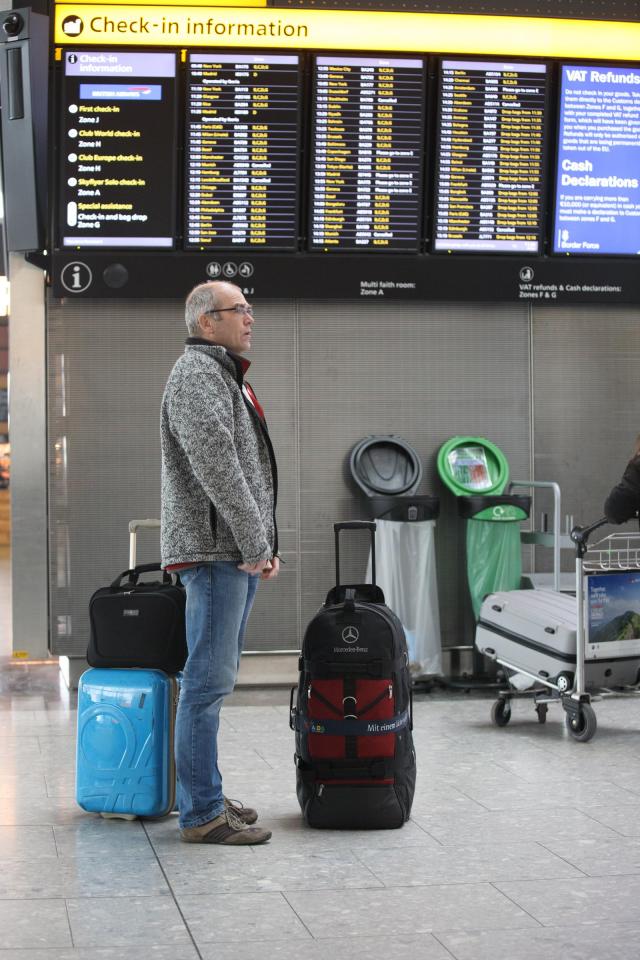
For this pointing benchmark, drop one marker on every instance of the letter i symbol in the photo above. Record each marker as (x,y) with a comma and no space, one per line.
(76,282)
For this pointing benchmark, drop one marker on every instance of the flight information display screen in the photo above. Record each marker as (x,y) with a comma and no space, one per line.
(597,208)
(367,153)
(294,171)
(117,149)
(490,156)
(242,150)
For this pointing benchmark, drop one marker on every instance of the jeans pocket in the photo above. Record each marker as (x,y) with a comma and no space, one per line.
(189,574)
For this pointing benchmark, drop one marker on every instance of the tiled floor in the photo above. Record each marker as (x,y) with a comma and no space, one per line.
(523,844)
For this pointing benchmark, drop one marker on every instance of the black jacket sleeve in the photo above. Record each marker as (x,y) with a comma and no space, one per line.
(624,500)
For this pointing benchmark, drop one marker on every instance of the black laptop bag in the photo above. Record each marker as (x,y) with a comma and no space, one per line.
(138,623)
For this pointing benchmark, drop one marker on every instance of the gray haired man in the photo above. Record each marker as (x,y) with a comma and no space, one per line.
(219,488)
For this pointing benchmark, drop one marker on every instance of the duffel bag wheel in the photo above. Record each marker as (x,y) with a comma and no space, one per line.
(542,710)
(583,726)
(501,713)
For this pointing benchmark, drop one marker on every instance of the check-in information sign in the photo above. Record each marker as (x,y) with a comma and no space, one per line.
(118,149)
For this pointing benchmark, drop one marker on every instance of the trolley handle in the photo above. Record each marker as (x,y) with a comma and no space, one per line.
(580,535)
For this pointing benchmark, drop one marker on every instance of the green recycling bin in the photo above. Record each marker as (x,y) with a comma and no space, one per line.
(477,472)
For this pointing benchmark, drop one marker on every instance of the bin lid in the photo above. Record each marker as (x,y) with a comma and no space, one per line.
(472,465)
(496,507)
(385,465)
(406,507)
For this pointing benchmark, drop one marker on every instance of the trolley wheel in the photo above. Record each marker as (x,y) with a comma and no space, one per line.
(501,713)
(542,710)
(583,726)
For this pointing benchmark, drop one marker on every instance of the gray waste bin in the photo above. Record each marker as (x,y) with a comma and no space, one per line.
(388,470)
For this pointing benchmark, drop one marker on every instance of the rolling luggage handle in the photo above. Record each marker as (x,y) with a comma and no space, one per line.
(356,525)
(134,526)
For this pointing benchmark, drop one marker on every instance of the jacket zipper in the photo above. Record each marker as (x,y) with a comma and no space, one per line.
(272,460)
(267,438)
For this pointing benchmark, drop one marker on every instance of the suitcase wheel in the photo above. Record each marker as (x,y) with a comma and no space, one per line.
(564,682)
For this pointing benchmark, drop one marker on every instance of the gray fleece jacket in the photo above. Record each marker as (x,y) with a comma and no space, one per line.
(219,480)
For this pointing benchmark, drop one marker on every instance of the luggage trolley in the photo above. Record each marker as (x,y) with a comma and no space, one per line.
(576,650)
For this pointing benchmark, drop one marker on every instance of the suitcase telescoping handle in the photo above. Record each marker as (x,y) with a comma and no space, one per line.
(134,526)
(356,525)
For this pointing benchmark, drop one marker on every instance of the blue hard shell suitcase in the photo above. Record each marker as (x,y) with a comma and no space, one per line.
(124,755)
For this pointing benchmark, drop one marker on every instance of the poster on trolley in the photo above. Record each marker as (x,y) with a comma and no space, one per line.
(613,614)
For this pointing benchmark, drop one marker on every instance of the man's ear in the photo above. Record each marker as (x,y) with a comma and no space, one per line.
(206,322)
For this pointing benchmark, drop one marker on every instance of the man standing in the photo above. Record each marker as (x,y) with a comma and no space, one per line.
(219,487)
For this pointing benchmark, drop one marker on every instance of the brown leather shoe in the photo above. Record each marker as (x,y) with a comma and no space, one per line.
(247,814)
(227,829)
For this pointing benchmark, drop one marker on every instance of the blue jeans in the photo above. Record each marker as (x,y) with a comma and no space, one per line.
(219,600)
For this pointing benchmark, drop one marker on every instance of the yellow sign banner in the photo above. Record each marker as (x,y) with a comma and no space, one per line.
(344,30)
(174,3)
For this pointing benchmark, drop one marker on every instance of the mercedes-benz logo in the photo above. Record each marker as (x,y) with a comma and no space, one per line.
(350,634)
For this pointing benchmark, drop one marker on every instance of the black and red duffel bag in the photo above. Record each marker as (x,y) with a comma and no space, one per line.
(355,762)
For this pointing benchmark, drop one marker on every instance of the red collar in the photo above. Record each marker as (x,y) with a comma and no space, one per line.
(244,363)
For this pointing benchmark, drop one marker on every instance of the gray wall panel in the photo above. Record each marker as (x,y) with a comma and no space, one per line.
(587,416)
(329,374)
(425,372)
(108,363)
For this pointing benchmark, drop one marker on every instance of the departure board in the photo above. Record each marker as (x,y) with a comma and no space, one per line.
(597,209)
(367,153)
(118,157)
(242,150)
(490,157)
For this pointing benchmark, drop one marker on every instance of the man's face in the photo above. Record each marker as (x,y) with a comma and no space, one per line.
(230,324)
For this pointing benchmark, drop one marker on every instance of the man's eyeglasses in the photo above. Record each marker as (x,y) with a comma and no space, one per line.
(237,308)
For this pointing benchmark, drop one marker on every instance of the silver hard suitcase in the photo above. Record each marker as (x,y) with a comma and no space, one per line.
(535,631)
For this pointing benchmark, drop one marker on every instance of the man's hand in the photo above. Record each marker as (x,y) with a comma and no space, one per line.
(253,568)
(271,570)
(266,569)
